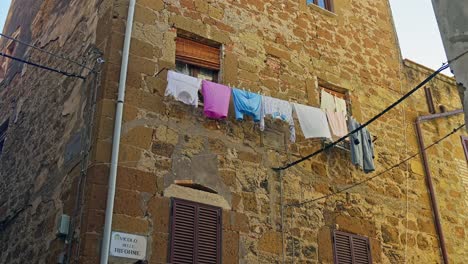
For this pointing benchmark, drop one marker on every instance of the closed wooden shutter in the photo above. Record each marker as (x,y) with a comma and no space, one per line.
(196,233)
(351,249)
(197,53)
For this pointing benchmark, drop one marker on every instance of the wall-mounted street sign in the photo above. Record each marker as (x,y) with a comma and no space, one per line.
(128,245)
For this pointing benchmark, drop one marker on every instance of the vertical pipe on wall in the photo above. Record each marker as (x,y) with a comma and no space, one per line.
(116,138)
(280,174)
(427,172)
(430,186)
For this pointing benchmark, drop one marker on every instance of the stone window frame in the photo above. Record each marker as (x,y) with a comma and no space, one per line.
(194,65)
(201,45)
(335,91)
(341,93)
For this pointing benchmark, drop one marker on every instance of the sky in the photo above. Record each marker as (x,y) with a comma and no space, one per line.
(415,23)
(418,33)
(4,6)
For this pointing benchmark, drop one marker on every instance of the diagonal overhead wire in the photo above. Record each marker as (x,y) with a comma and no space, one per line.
(47,52)
(43,67)
(376,175)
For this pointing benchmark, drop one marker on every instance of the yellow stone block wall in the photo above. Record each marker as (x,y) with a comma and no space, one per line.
(283,49)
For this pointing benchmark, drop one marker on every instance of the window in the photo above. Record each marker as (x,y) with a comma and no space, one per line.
(351,249)
(3,130)
(465,146)
(198,59)
(325,4)
(195,233)
(341,94)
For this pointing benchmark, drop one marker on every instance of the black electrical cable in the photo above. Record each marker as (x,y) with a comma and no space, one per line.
(42,66)
(375,176)
(445,66)
(45,51)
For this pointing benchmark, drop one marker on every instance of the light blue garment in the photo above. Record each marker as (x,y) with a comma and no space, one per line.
(246,103)
(356,146)
(367,151)
(362,148)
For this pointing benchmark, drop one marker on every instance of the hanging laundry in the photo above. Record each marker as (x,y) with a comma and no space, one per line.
(216,99)
(341,105)
(246,103)
(183,88)
(356,146)
(278,109)
(327,101)
(337,122)
(367,151)
(362,148)
(313,121)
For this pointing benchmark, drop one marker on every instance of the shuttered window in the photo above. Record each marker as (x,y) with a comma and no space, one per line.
(198,54)
(351,249)
(195,233)
(465,146)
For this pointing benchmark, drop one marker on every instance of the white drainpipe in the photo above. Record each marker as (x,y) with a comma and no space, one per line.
(116,138)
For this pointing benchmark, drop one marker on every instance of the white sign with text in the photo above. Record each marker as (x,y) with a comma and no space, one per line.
(128,245)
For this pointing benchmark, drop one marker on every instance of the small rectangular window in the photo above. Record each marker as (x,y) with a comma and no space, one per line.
(351,249)
(195,233)
(3,130)
(197,59)
(465,146)
(325,4)
(338,93)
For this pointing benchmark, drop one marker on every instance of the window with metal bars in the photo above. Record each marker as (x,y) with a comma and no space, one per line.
(325,4)
(3,130)
(351,249)
(195,233)
(465,146)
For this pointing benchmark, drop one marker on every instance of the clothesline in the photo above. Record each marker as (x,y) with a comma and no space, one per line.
(330,119)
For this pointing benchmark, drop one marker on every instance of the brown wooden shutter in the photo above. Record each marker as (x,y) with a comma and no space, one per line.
(208,235)
(197,53)
(465,146)
(351,249)
(196,233)
(183,232)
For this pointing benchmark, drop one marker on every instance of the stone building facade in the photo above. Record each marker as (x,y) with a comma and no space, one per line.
(57,149)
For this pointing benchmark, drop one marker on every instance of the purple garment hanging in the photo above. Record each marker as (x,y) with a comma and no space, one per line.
(216,98)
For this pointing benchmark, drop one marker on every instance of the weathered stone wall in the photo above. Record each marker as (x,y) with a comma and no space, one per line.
(448,167)
(49,120)
(283,50)
(280,49)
